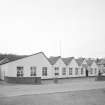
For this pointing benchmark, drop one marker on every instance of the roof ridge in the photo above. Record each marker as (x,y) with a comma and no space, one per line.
(25,57)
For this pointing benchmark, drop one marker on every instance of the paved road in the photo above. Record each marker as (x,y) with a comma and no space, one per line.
(16,90)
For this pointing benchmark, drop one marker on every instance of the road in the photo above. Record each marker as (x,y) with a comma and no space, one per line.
(16,90)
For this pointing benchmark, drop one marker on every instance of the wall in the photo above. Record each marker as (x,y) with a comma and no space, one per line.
(93,66)
(59,64)
(73,64)
(38,60)
(23,80)
(3,71)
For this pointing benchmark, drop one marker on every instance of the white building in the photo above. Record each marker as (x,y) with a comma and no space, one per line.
(36,65)
(82,66)
(59,67)
(93,68)
(3,61)
(74,68)
(101,65)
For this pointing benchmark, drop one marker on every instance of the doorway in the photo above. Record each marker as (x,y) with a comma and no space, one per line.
(86,73)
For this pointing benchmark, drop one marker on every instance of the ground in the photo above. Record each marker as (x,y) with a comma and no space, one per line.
(85,97)
(81,92)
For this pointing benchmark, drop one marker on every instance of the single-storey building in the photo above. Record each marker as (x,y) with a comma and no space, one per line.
(3,61)
(36,65)
(93,68)
(74,68)
(82,67)
(101,65)
(58,67)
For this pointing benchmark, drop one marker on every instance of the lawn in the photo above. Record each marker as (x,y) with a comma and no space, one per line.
(86,97)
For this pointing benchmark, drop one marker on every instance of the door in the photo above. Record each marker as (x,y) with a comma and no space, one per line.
(86,73)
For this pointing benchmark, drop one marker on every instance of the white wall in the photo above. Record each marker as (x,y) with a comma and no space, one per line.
(101,68)
(3,71)
(37,60)
(84,72)
(93,66)
(59,64)
(73,64)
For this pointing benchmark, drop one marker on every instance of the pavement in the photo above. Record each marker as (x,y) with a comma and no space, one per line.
(17,90)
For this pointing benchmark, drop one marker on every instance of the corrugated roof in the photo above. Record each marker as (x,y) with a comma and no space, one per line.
(67,60)
(53,60)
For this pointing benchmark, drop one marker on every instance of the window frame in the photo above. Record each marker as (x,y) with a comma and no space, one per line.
(20,71)
(95,70)
(91,70)
(82,71)
(44,71)
(64,71)
(33,71)
(76,71)
(56,70)
(70,71)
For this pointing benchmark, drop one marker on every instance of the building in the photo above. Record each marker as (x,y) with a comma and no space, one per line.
(82,67)
(93,68)
(36,65)
(3,61)
(101,65)
(74,68)
(58,67)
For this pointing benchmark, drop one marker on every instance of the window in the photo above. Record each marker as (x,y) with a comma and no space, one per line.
(44,71)
(33,71)
(63,71)
(56,70)
(70,71)
(76,71)
(91,71)
(81,70)
(95,70)
(20,71)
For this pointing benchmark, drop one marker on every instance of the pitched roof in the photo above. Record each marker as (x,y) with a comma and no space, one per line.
(84,65)
(5,60)
(79,61)
(102,61)
(53,60)
(89,62)
(67,60)
(26,57)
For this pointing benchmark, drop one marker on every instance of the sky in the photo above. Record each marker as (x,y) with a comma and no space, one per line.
(55,27)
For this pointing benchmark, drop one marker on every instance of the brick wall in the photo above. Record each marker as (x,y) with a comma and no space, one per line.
(100,78)
(23,80)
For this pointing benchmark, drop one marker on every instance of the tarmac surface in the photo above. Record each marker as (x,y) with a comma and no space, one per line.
(17,90)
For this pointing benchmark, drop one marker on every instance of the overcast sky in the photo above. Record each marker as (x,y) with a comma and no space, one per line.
(31,26)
